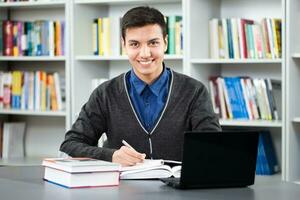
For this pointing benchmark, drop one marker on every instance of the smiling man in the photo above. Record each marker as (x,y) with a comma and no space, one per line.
(150,106)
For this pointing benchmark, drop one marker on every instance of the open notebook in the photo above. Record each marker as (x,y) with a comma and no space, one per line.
(152,169)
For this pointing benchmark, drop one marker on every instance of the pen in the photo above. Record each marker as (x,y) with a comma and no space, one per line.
(127,145)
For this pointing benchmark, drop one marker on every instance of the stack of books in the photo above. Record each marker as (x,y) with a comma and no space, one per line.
(81,172)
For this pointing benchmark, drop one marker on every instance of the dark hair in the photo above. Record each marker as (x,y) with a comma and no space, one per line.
(142,16)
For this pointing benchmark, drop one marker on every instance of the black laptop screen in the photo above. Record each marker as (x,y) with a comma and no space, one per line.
(219,158)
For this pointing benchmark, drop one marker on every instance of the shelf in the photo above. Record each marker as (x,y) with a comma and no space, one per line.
(33,113)
(296,55)
(32,58)
(124,57)
(296,120)
(297,182)
(234,61)
(251,123)
(122,2)
(26,161)
(34,4)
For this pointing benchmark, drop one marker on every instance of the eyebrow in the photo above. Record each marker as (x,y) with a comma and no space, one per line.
(151,40)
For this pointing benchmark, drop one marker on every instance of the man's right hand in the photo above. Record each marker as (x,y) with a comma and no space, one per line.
(127,156)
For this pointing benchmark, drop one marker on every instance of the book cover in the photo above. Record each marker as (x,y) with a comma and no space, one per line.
(79,165)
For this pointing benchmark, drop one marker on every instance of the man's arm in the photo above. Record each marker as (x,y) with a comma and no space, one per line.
(82,139)
(202,116)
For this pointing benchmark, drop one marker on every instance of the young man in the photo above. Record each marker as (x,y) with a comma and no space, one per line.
(150,106)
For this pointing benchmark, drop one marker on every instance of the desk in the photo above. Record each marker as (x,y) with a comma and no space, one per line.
(26,183)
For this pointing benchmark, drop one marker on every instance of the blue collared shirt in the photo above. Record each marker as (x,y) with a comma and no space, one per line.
(148,100)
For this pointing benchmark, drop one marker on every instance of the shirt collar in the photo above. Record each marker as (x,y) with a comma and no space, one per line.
(155,87)
(137,83)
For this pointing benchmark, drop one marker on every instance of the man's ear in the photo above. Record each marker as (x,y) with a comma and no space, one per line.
(166,43)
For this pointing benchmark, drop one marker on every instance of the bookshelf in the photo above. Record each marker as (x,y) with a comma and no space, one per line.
(292,128)
(44,129)
(198,64)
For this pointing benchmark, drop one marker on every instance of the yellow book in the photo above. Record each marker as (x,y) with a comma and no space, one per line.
(100,37)
(275,38)
(52,93)
(15,38)
(57,47)
(16,89)
(278,35)
(106,36)
(43,90)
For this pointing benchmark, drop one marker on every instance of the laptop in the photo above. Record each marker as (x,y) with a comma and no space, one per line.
(217,159)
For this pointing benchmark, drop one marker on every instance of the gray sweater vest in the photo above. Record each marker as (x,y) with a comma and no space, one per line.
(109,110)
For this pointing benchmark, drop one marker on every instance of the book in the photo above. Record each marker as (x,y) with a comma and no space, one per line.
(13,139)
(81,172)
(267,163)
(75,165)
(152,169)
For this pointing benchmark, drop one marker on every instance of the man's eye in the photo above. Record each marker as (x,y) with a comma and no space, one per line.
(134,44)
(154,43)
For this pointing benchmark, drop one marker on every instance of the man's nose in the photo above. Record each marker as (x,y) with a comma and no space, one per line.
(145,51)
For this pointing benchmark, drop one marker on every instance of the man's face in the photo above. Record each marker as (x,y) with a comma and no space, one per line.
(145,47)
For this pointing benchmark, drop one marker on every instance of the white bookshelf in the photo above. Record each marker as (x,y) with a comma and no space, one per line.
(234,61)
(292,128)
(252,123)
(32,58)
(198,64)
(44,129)
(34,4)
(121,58)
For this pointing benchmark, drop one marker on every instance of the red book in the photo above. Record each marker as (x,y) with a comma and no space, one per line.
(8,37)
(243,39)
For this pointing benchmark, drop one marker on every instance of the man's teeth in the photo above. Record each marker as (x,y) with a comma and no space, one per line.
(146,62)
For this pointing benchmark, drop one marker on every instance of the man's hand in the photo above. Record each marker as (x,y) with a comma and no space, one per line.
(127,156)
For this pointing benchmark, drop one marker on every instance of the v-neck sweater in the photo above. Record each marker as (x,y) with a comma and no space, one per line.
(109,110)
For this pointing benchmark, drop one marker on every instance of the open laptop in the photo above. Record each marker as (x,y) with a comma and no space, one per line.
(217,159)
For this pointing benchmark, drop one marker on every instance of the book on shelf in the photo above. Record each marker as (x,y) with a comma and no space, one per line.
(101,36)
(30,90)
(152,169)
(32,38)
(267,163)
(13,139)
(239,38)
(81,172)
(245,98)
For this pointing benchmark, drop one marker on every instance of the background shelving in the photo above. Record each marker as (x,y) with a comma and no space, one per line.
(44,129)
(199,65)
(292,129)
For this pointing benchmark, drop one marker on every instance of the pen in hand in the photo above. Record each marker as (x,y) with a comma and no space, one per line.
(129,146)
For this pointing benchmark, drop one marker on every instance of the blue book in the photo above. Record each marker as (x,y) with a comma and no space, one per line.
(236,97)
(271,160)
(230,42)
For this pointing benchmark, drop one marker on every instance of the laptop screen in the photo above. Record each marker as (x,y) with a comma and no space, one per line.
(219,159)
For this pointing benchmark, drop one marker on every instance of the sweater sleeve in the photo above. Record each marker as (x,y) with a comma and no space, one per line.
(82,139)
(202,117)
